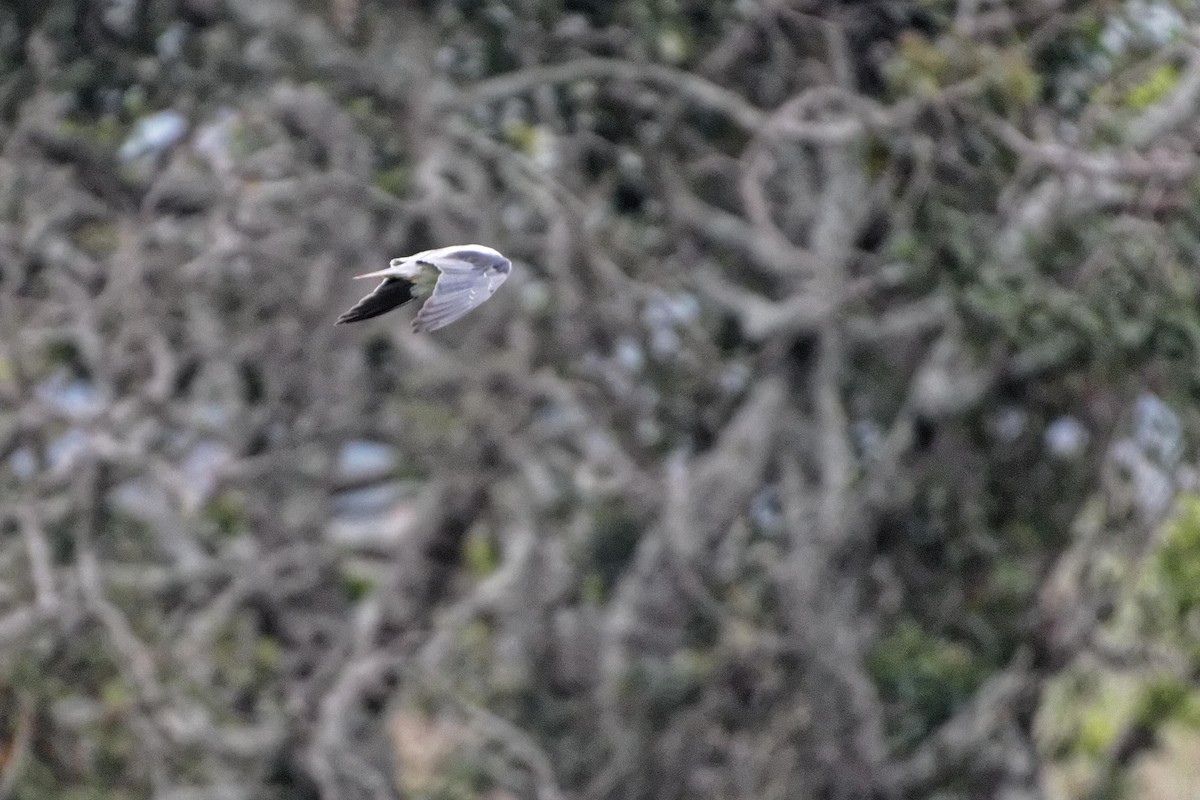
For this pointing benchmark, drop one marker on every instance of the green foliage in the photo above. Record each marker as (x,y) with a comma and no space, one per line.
(593,589)
(98,239)
(479,554)
(1104,293)
(1082,715)
(614,540)
(63,352)
(920,66)
(134,102)
(246,139)
(1154,88)
(925,66)
(1098,729)
(432,418)
(1167,698)
(94,757)
(1082,718)
(227,513)
(355,585)
(117,696)
(1177,562)
(1011,582)
(105,131)
(923,679)
(673,45)
(1016,78)
(659,687)
(461,777)
(362,108)
(267,654)
(521,135)
(395,180)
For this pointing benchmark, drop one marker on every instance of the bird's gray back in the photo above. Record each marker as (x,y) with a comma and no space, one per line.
(475,257)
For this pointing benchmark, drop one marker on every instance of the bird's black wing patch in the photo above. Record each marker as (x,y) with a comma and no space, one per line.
(392,293)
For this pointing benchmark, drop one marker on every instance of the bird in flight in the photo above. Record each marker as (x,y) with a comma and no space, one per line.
(456,279)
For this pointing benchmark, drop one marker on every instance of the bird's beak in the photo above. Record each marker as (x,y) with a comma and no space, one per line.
(383,273)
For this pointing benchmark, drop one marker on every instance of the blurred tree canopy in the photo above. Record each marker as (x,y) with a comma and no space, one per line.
(833,437)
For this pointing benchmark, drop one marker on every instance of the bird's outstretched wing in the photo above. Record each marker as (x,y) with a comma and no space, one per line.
(392,293)
(460,287)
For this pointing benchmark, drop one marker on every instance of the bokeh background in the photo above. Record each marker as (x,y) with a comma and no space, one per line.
(833,438)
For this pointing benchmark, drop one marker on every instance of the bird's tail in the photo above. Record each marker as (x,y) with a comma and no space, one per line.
(379,273)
